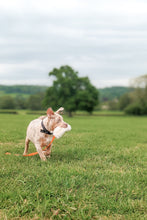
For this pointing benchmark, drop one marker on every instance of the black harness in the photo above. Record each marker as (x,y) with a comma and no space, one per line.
(44,130)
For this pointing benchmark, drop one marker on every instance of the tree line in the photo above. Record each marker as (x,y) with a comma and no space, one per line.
(68,90)
(22,97)
(114,92)
(33,102)
(23,89)
(77,93)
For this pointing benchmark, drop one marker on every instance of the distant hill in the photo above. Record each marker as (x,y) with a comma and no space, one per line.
(23,90)
(111,93)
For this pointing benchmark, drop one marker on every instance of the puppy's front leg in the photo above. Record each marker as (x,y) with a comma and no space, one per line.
(40,152)
(47,153)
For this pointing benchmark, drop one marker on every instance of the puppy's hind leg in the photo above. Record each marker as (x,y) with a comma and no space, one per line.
(26,146)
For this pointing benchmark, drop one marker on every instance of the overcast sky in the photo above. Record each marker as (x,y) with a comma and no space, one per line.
(105,40)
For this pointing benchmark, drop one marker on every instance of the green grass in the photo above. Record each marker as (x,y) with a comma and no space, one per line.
(96,171)
(100,113)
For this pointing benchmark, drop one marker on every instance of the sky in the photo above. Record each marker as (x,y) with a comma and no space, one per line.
(105,40)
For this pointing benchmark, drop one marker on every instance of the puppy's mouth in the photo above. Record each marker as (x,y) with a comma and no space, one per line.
(59,131)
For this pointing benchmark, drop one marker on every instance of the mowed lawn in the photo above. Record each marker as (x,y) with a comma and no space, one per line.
(96,171)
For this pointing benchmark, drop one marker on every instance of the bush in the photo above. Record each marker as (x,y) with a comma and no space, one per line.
(7,102)
(144,110)
(134,109)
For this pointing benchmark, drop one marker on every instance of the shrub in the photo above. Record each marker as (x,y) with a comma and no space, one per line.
(7,102)
(134,109)
(144,110)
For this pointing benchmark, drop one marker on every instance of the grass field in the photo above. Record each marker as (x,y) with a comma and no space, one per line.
(96,171)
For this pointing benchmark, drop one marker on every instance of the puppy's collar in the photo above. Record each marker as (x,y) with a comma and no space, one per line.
(44,130)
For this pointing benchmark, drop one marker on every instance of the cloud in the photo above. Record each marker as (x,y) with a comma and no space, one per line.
(105,40)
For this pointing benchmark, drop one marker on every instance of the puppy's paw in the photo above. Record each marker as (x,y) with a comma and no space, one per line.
(43,158)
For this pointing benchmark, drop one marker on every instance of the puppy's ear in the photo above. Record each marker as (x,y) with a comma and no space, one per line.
(50,112)
(60,111)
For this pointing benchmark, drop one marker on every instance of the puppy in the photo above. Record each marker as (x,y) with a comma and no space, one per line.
(40,131)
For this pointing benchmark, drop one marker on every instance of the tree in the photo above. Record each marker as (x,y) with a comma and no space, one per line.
(70,91)
(35,101)
(87,95)
(7,102)
(140,93)
(20,102)
(138,97)
(139,82)
(124,101)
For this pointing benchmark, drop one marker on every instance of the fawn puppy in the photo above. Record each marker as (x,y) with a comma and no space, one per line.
(41,130)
